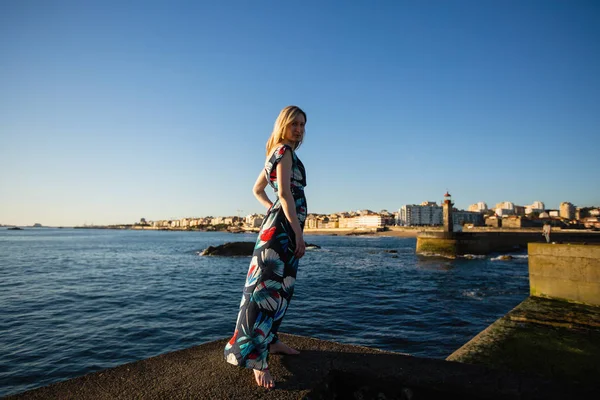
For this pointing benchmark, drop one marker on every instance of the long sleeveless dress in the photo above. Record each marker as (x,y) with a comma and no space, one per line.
(271,276)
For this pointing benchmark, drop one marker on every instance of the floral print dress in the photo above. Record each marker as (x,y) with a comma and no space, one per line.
(270,280)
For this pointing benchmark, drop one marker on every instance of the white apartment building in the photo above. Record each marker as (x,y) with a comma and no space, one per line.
(362,221)
(414,215)
(368,221)
(184,222)
(478,207)
(254,220)
(505,208)
(567,210)
(536,206)
(507,205)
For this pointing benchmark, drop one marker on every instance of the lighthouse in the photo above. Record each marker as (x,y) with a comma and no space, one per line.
(447,213)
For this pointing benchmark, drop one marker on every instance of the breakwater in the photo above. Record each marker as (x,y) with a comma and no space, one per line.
(565,272)
(452,244)
(555,333)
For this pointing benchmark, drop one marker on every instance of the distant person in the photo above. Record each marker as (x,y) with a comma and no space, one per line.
(546,232)
(280,244)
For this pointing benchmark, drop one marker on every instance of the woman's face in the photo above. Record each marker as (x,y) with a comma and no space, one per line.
(295,131)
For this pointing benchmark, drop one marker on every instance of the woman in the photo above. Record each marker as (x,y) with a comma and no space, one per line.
(280,244)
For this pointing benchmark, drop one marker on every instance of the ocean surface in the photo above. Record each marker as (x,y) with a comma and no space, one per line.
(75,301)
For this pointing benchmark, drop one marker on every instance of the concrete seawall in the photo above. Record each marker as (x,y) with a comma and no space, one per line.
(554,333)
(565,272)
(541,337)
(460,243)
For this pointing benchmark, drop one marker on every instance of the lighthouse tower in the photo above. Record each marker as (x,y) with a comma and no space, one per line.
(447,212)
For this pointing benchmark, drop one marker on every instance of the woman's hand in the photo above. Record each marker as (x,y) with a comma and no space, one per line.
(300,246)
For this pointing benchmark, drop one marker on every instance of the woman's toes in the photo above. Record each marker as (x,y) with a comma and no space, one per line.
(264,379)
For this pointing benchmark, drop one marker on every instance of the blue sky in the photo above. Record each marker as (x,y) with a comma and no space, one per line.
(115,110)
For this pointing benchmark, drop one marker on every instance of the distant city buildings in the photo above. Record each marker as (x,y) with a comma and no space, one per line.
(430,214)
(426,214)
(505,214)
(191,223)
(351,220)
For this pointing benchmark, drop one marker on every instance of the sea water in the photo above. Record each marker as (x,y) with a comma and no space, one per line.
(74,301)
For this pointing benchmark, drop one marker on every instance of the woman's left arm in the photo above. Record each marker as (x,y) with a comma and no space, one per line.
(259,190)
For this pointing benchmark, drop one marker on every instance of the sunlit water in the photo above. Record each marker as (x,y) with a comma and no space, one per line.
(77,301)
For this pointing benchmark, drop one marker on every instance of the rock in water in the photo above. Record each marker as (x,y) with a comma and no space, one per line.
(230,249)
(238,249)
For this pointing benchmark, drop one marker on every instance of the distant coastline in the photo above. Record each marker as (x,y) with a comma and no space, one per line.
(395,231)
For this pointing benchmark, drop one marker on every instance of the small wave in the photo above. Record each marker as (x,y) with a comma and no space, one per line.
(473,256)
(428,254)
(473,294)
(508,257)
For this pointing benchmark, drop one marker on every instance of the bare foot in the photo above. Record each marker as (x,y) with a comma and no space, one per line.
(282,348)
(264,378)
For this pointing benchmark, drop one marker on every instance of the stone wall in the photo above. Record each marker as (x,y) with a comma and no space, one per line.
(518,222)
(490,242)
(437,246)
(565,271)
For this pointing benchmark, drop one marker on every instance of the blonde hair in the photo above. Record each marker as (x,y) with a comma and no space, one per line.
(286,117)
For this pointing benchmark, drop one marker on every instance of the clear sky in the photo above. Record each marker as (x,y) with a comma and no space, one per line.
(111,111)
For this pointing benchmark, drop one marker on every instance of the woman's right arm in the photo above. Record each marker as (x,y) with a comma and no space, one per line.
(259,190)
(288,204)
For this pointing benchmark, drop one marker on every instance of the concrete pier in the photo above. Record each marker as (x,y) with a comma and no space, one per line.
(547,338)
(555,333)
(565,272)
(453,244)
